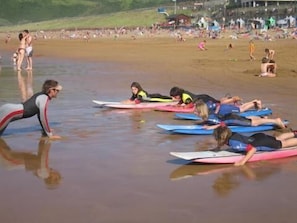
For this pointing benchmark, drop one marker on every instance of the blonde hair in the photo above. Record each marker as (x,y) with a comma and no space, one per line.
(222,135)
(202,109)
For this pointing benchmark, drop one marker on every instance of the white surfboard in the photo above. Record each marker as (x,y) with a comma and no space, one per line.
(102,103)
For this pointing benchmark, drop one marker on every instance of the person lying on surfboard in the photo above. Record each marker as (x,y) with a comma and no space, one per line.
(213,120)
(251,144)
(140,95)
(187,99)
(221,109)
(36,105)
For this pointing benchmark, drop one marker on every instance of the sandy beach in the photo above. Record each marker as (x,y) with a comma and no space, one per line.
(115,165)
(181,59)
(169,62)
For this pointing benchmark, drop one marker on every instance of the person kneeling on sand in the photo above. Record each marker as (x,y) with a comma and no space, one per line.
(267,68)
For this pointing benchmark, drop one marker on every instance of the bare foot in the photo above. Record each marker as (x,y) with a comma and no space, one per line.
(259,104)
(280,123)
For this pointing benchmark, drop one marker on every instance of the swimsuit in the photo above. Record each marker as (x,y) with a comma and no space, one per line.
(19,49)
(29,51)
(263,74)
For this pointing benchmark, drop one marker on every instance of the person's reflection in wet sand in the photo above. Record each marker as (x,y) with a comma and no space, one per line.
(25,85)
(230,180)
(38,163)
(230,177)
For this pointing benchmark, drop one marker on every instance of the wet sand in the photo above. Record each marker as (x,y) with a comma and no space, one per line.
(115,164)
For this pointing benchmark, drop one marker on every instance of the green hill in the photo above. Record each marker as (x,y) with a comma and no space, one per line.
(127,19)
(77,14)
(14,12)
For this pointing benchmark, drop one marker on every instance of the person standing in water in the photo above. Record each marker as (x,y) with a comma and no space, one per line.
(29,49)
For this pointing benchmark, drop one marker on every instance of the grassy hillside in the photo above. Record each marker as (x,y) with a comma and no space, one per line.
(14,12)
(134,18)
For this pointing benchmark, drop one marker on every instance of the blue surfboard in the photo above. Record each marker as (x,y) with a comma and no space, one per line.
(194,127)
(238,129)
(192,116)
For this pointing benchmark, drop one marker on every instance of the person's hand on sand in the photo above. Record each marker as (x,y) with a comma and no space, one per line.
(55,137)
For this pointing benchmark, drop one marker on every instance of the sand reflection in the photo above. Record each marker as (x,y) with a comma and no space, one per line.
(35,163)
(229,177)
(25,83)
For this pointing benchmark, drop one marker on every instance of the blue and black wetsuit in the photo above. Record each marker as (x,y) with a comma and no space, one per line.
(211,102)
(261,141)
(227,109)
(229,119)
(36,105)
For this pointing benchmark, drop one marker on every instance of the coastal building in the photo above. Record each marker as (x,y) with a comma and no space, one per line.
(266,3)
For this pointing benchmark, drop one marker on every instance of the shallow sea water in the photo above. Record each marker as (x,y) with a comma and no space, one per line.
(115,164)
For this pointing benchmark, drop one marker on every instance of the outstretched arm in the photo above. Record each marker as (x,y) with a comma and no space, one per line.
(246,158)
(211,126)
(42,103)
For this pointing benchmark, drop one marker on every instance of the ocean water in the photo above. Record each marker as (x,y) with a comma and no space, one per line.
(114,165)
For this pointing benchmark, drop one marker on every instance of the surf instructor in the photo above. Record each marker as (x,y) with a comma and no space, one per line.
(36,105)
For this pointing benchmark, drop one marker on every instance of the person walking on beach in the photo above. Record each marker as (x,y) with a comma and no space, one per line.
(36,105)
(29,49)
(252,50)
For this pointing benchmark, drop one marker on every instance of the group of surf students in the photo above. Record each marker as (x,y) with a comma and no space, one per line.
(218,114)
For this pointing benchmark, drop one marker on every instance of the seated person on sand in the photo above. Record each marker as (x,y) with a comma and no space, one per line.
(269,53)
(180,37)
(202,46)
(140,95)
(267,68)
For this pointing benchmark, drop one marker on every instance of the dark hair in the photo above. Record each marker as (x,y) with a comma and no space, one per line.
(26,31)
(265,60)
(137,85)
(222,135)
(21,36)
(176,91)
(48,84)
